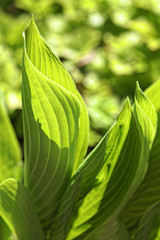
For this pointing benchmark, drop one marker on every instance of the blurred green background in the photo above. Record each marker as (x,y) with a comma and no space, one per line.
(106,45)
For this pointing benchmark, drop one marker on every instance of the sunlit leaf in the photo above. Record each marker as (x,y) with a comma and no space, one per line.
(105,199)
(148,193)
(107,195)
(42,57)
(81,183)
(55,125)
(128,145)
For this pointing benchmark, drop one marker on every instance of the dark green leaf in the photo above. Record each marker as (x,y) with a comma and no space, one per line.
(18,212)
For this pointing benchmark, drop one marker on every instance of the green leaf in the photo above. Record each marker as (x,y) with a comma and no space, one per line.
(50,66)
(4,230)
(134,156)
(121,232)
(10,157)
(103,201)
(10,154)
(148,193)
(117,231)
(148,109)
(106,197)
(148,226)
(113,230)
(18,212)
(153,94)
(52,115)
(146,119)
(128,145)
(81,183)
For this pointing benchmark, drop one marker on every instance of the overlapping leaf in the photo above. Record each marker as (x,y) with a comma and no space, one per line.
(4,230)
(129,171)
(105,188)
(17,210)
(148,193)
(82,182)
(112,230)
(10,154)
(91,202)
(148,226)
(49,65)
(127,152)
(53,117)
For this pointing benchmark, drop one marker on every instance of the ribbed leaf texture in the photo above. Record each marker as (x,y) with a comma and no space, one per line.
(17,210)
(112,194)
(148,193)
(10,153)
(55,125)
(127,151)
(133,158)
(56,129)
(91,201)
(10,157)
(148,226)
(45,61)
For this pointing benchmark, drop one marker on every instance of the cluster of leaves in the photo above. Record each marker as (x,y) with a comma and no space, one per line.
(107,45)
(113,193)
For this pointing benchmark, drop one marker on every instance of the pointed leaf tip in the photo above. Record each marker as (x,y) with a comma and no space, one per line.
(137,84)
(146,105)
(126,109)
(139,93)
(31,25)
(32,21)
(127,102)
(138,89)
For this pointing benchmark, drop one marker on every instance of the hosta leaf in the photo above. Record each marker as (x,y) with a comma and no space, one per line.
(10,154)
(49,65)
(51,124)
(112,230)
(4,230)
(148,226)
(123,149)
(121,232)
(148,193)
(146,119)
(82,182)
(153,94)
(136,154)
(17,210)
(117,231)
(107,198)
(125,159)
(147,106)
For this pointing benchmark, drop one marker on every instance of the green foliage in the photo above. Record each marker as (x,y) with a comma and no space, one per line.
(106,45)
(113,193)
(10,154)
(17,210)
